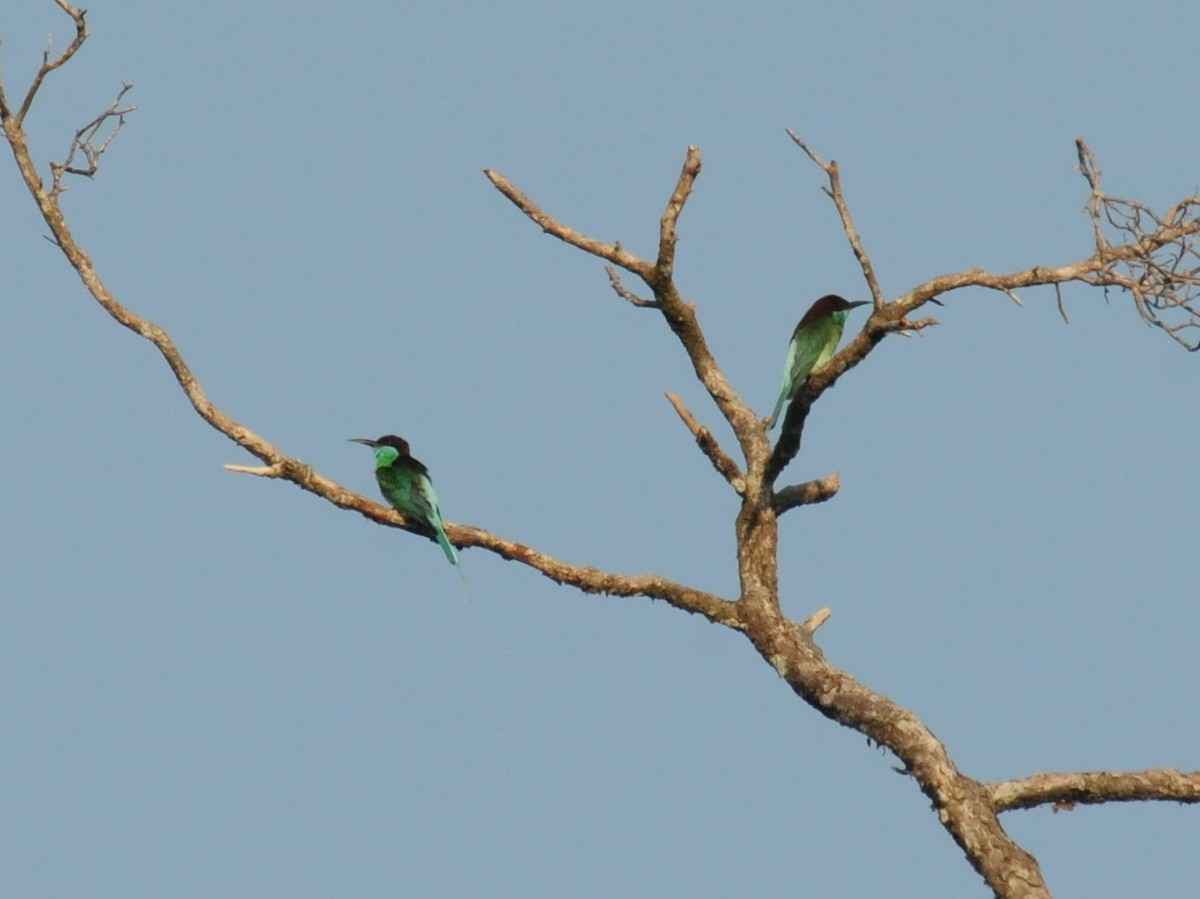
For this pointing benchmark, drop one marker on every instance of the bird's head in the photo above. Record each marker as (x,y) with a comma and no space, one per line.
(399,444)
(829,305)
(831,302)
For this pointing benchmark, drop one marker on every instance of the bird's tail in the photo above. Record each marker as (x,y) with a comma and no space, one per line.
(446,545)
(778,408)
(448,549)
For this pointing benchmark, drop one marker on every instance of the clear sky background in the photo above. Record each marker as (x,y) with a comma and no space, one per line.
(215,685)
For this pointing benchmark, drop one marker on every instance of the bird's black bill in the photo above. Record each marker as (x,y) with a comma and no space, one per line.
(364,441)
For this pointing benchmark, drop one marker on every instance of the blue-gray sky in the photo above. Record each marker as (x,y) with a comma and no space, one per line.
(216,685)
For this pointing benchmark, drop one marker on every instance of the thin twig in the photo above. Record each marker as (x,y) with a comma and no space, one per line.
(614,281)
(834,192)
(1091,173)
(908,328)
(262,471)
(1156,259)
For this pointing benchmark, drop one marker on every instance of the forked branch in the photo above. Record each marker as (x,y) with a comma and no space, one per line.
(659,277)
(85,144)
(48,65)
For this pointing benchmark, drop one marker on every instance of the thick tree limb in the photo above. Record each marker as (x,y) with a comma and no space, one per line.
(963,806)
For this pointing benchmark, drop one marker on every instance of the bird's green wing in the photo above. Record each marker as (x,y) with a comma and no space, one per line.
(811,347)
(410,490)
(785,389)
(424,496)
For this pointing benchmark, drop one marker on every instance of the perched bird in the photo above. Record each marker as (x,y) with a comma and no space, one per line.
(813,343)
(406,485)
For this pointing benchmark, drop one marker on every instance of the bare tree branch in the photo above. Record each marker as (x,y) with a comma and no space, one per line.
(614,281)
(1156,258)
(834,191)
(816,619)
(659,277)
(48,64)
(724,465)
(612,252)
(1095,787)
(808,493)
(84,142)
(584,578)
(1062,310)
(667,236)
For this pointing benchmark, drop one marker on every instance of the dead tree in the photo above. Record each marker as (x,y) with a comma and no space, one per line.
(1151,257)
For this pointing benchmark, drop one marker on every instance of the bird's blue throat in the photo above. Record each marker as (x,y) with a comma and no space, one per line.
(385,456)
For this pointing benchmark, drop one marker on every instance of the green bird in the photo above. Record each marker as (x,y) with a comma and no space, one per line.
(812,345)
(405,484)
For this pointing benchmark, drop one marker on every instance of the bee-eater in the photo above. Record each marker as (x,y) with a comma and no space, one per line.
(405,484)
(813,344)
